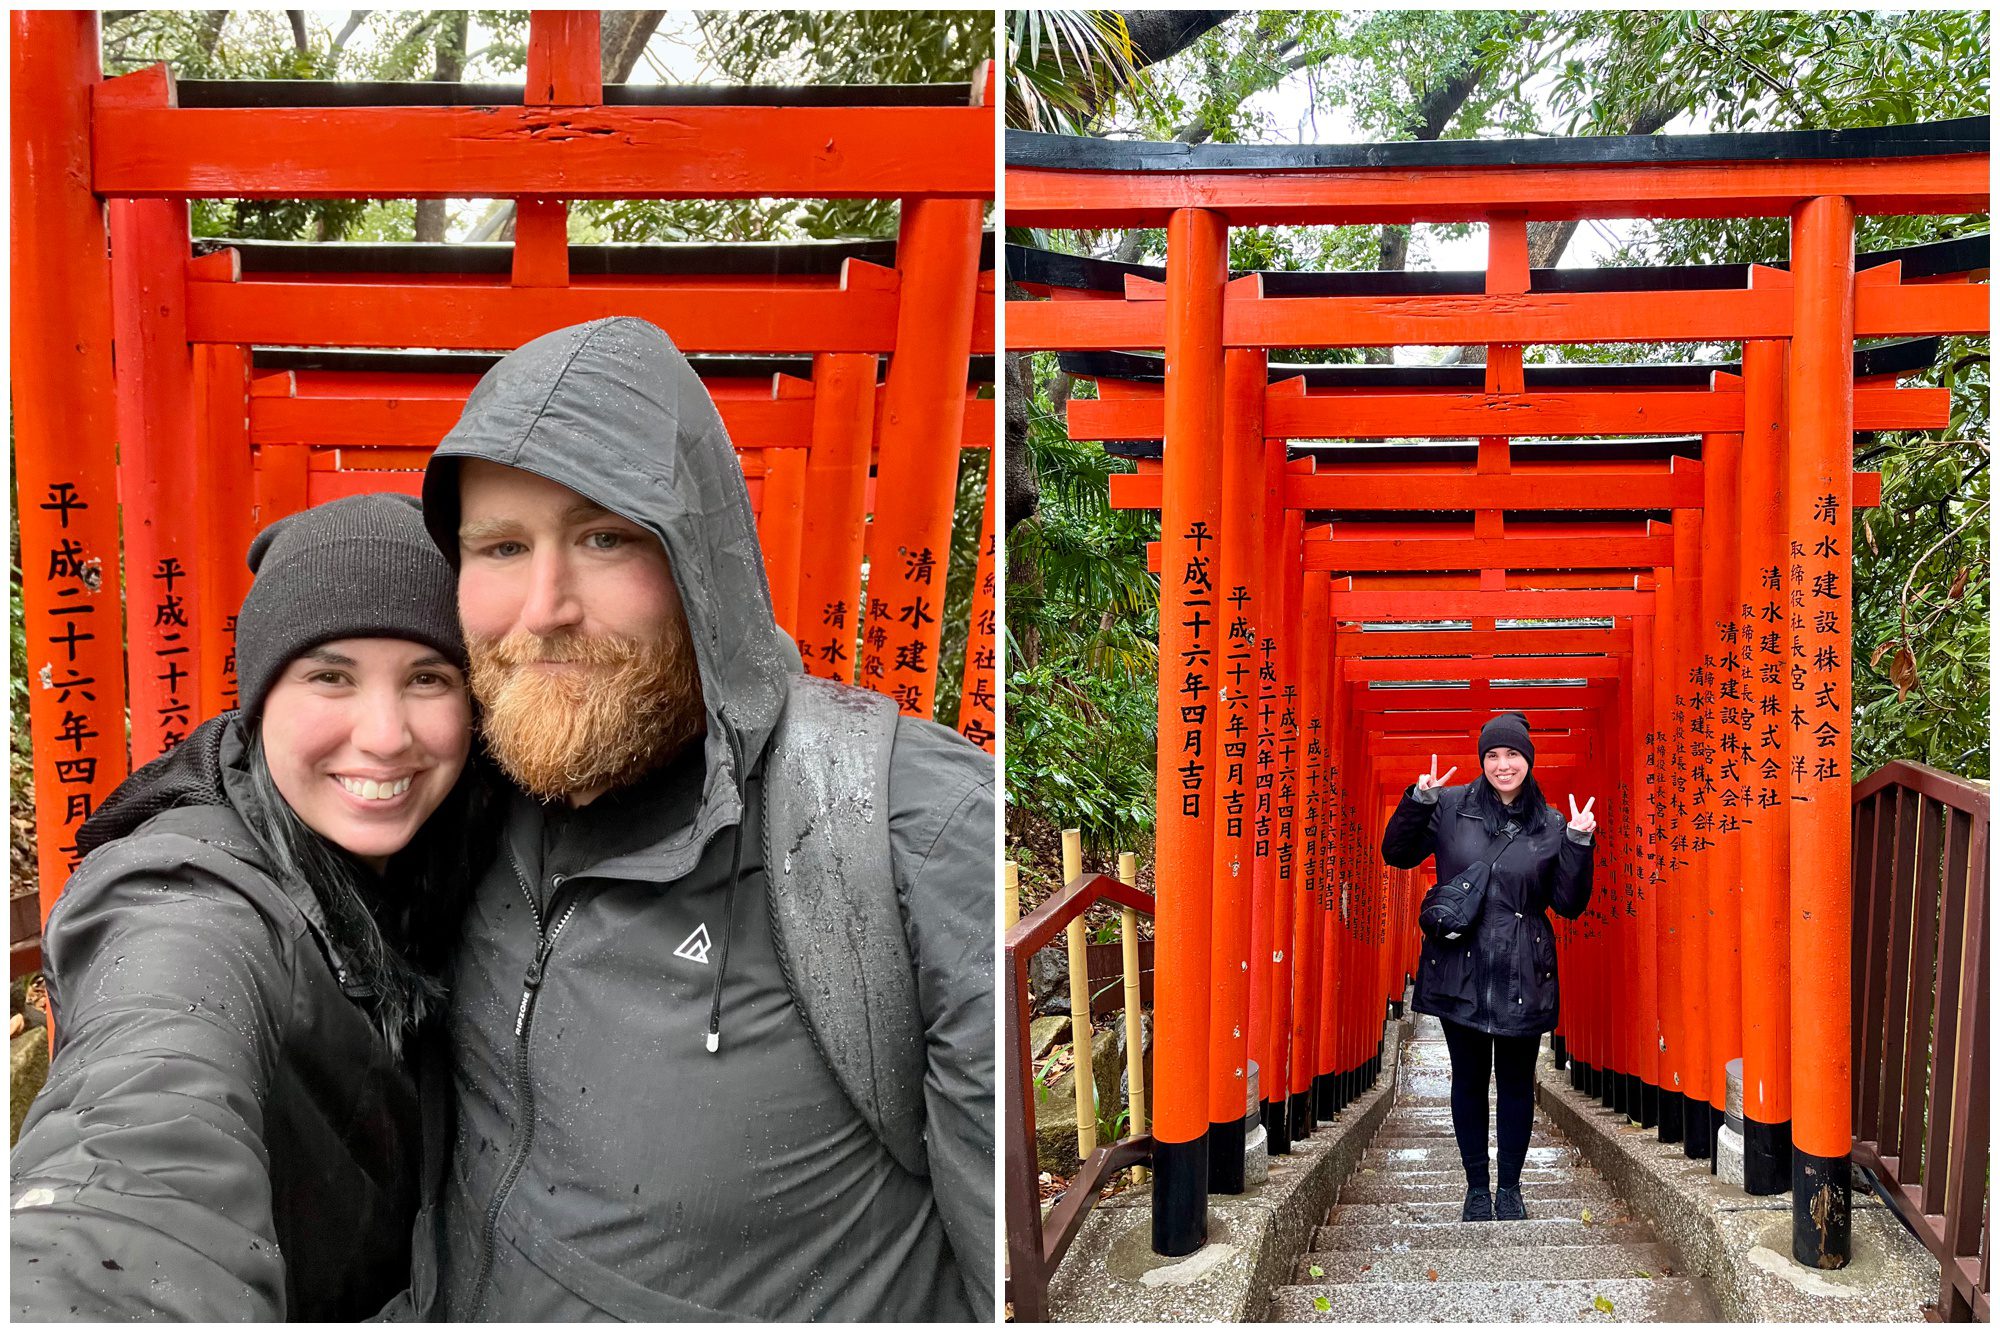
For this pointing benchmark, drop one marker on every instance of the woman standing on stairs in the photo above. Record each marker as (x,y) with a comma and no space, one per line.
(1494,989)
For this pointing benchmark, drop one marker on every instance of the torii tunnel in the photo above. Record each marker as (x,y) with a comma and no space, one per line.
(1660,581)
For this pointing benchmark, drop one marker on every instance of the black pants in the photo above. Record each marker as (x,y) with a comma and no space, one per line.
(1477,1057)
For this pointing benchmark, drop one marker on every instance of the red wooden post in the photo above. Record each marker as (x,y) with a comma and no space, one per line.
(65,437)
(1691,868)
(1242,516)
(1268,531)
(1670,744)
(565,68)
(225,488)
(1819,701)
(1190,603)
(1766,854)
(923,416)
(780,524)
(829,594)
(1307,917)
(1642,822)
(1721,459)
(1289,593)
(157,479)
(981,679)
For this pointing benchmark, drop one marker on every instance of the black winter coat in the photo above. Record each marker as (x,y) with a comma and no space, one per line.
(223,1135)
(1501,978)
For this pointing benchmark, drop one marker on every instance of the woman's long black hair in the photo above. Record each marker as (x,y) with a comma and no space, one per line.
(391,933)
(1528,804)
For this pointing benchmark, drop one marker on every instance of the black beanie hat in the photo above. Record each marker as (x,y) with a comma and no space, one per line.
(361,567)
(1509,729)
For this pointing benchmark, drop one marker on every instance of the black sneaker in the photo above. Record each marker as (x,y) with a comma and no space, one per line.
(1478,1205)
(1507,1205)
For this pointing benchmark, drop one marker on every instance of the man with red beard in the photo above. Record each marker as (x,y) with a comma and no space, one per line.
(722,1013)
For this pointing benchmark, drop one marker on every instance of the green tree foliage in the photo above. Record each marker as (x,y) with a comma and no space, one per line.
(1922,592)
(1082,634)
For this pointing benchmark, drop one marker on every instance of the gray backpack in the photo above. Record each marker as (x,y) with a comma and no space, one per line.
(834,907)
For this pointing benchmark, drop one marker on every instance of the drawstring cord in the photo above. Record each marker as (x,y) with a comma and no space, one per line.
(729,892)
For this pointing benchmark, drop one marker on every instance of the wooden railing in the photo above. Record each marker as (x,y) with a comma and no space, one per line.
(1036,1247)
(1921,1063)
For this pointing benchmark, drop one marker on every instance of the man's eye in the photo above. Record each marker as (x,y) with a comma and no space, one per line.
(502,550)
(606,541)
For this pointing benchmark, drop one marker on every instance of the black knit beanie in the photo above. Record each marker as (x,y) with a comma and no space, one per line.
(1509,729)
(361,567)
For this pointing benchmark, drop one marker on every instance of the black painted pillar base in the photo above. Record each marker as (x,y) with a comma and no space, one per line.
(1621,1091)
(1673,1105)
(1822,1210)
(1576,1071)
(1277,1128)
(1697,1129)
(1225,1157)
(1180,1197)
(1326,1096)
(1767,1157)
(1395,1008)
(1561,1048)
(1607,1089)
(1649,1104)
(1299,1107)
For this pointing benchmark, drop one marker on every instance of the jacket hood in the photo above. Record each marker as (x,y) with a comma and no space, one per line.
(613,411)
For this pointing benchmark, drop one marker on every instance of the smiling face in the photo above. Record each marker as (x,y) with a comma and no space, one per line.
(580,649)
(1506,768)
(365,738)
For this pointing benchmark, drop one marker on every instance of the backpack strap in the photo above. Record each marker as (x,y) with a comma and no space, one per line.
(835,913)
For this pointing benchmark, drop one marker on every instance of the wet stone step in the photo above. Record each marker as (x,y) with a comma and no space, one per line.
(1584,1300)
(1331,1267)
(1443,1158)
(1603,1212)
(1441,1173)
(1403,1237)
(1360,1189)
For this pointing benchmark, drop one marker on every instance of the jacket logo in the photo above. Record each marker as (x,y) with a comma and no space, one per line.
(695,947)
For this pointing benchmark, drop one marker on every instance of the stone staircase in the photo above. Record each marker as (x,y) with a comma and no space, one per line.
(1394,1251)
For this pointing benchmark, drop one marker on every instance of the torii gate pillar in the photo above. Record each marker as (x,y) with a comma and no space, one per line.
(1190,608)
(1819,502)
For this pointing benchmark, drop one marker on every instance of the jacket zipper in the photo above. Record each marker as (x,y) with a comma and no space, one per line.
(545,940)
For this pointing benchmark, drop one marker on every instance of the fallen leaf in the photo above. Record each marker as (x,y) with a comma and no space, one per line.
(1431,1273)
(1642,1272)
(1586,1217)
(1603,1303)
(1322,1304)
(1316,1271)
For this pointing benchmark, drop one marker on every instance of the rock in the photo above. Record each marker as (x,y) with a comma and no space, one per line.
(1048,981)
(1055,1104)
(31,1070)
(1729,1156)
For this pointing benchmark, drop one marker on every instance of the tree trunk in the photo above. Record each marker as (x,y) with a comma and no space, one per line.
(1023,493)
(449,68)
(624,34)
(1548,240)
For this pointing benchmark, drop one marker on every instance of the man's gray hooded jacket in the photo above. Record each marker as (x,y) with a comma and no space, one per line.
(607,1163)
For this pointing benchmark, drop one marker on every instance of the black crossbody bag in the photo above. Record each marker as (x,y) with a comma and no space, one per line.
(1452,906)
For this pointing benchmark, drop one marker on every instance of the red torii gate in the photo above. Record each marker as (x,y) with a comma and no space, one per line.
(1239,546)
(182,438)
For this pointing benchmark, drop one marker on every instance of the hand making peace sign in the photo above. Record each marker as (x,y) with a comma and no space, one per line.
(1582,820)
(1426,781)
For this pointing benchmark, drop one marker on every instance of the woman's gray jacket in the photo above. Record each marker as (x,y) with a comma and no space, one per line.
(1501,978)
(223,1134)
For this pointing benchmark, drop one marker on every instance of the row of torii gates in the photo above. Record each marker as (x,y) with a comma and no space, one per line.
(1672,614)
(174,398)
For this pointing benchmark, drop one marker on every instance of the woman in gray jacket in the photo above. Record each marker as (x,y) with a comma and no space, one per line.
(243,969)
